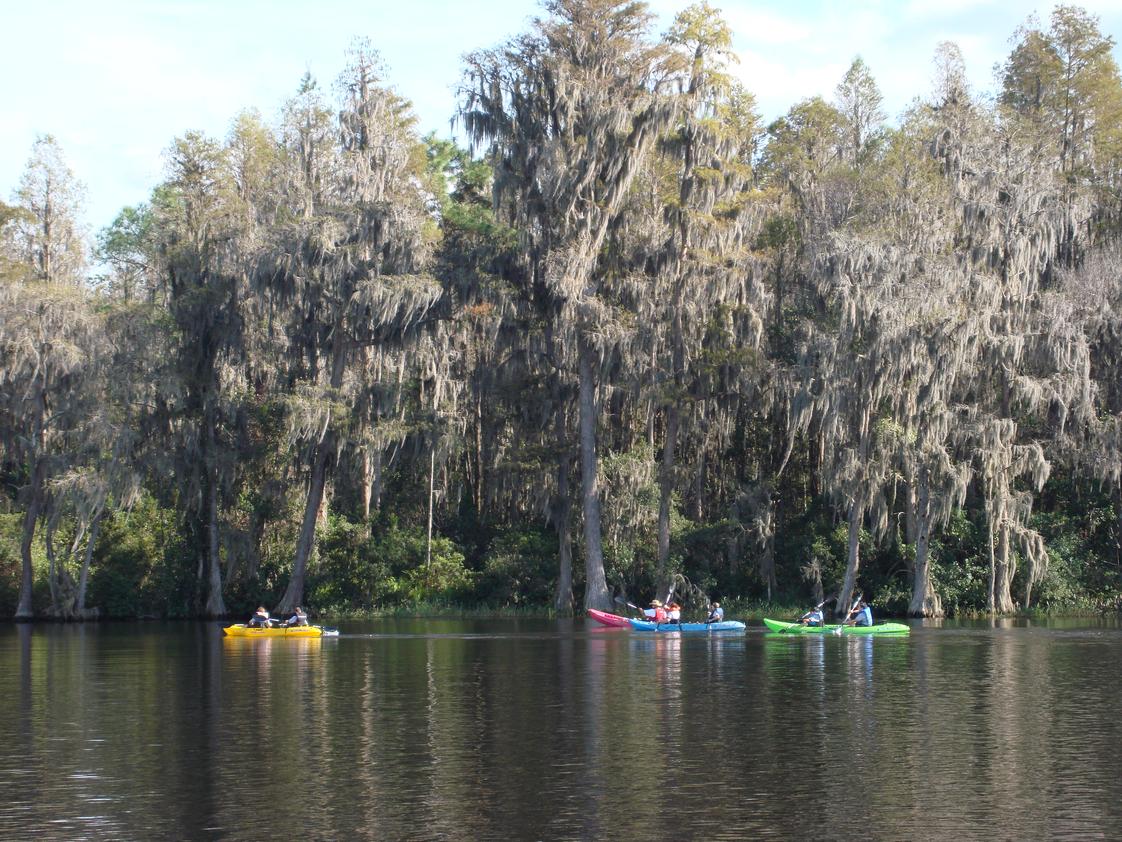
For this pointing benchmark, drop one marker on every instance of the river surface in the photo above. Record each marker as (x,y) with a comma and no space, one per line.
(535,729)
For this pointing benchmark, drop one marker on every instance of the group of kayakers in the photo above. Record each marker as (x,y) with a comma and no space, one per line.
(262,620)
(861,614)
(671,613)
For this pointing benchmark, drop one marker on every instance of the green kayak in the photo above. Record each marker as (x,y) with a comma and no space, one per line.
(798,628)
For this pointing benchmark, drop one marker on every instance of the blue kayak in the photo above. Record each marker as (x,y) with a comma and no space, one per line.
(724,625)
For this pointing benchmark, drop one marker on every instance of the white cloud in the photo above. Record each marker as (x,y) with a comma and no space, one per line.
(761,26)
(925,9)
(778,85)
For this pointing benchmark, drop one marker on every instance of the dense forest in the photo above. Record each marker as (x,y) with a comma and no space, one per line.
(622,334)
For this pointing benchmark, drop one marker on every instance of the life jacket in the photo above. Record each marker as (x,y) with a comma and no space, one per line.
(815,618)
(660,615)
(865,616)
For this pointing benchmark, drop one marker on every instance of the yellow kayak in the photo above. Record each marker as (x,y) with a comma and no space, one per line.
(242,630)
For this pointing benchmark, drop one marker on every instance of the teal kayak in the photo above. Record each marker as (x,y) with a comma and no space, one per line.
(723,626)
(798,628)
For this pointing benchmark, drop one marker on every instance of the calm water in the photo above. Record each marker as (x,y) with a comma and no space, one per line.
(560,730)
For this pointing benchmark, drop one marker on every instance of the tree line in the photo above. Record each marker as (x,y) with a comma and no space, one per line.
(631,334)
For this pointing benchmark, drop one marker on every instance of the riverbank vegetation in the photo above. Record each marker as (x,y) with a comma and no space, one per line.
(630,335)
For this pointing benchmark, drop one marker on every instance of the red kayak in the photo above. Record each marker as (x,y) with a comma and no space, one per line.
(606,619)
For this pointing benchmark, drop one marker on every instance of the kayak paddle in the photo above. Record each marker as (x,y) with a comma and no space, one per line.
(831,597)
(849,614)
(619,600)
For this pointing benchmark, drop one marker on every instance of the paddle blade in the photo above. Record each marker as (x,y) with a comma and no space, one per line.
(619,600)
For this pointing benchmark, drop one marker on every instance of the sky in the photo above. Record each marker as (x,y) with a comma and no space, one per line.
(115,81)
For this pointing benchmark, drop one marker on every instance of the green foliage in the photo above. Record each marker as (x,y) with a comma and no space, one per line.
(142,565)
(357,570)
(347,572)
(960,564)
(122,246)
(10,525)
(519,568)
(698,550)
(444,578)
(1081,532)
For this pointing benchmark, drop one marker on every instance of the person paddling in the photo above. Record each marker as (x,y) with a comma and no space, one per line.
(860,614)
(298,618)
(674,613)
(813,617)
(864,616)
(716,614)
(260,618)
(656,613)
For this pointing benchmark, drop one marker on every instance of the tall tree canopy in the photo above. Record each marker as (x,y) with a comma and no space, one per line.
(329,361)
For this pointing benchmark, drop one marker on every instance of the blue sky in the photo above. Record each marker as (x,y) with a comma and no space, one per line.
(115,81)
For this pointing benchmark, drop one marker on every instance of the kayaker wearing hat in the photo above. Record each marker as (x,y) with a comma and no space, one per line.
(656,613)
(716,613)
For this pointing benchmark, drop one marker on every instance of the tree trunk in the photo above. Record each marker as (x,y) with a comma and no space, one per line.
(367,483)
(563,513)
(665,491)
(294,593)
(853,560)
(24,610)
(52,568)
(911,527)
(376,490)
(562,519)
(699,482)
(1004,575)
(83,577)
(990,591)
(215,605)
(321,460)
(432,496)
(596,586)
(1118,529)
(925,601)
(479,461)
(62,585)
